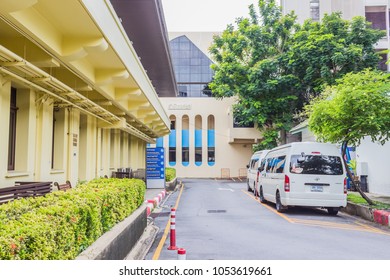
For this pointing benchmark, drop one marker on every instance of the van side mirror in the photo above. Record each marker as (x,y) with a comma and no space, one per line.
(247,166)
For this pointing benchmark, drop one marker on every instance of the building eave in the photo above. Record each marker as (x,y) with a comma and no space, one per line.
(82,45)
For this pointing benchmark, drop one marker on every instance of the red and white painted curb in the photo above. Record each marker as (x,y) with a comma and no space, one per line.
(382,217)
(155,202)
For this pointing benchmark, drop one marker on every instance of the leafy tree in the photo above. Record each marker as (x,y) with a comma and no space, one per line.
(251,62)
(357,106)
(324,51)
(275,66)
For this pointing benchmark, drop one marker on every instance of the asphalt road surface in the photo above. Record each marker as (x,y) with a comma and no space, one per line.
(221,220)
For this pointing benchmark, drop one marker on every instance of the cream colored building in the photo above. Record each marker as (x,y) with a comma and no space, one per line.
(77,101)
(216,149)
(205,141)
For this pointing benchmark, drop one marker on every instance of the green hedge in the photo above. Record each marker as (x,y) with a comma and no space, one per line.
(61,225)
(170,174)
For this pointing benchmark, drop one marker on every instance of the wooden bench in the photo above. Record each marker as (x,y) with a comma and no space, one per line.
(63,187)
(24,190)
(122,173)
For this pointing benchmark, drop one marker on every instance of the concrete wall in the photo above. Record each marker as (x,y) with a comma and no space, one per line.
(231,155)
(376,158)
(349,8)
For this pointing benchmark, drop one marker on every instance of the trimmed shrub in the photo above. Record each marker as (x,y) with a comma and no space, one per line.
(61,225)
(170,173)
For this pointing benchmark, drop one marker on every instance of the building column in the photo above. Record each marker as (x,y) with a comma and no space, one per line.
(73,146)
(179,127)
(87,151)
(134,152)
(44,131)
(5,93)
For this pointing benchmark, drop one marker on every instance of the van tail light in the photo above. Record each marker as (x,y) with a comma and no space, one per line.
(257,178)
(345,185)
(286,183)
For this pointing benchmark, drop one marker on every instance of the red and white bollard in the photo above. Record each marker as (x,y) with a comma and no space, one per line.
(173,230)
(149,206)
(181,254)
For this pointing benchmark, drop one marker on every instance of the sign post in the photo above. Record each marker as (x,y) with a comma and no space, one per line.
(155,168)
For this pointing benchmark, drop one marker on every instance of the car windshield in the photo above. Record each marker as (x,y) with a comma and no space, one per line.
(316,164)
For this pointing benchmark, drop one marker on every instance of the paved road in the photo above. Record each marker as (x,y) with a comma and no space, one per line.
(221,220)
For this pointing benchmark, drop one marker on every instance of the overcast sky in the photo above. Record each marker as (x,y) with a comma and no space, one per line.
(203,15)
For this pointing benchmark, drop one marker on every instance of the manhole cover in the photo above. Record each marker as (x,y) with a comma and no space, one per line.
(216,211)
(159,214)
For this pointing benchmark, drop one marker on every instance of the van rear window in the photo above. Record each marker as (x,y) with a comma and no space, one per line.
(316,164)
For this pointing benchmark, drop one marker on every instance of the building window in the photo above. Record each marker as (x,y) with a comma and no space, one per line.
(185,141)
(185,156)
(192,68)
(173,124)
(12,131)
(210,140)
(198,140)
(172,156)
(172,142)
(377,16)
(315,10)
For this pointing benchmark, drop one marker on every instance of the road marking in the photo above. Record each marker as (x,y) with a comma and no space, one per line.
(157,253)
(355,227)
(270,208)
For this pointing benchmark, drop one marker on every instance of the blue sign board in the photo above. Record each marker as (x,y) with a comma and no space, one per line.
(155,163)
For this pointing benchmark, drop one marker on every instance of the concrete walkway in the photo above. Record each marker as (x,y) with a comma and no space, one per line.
(154,198)
(378,197)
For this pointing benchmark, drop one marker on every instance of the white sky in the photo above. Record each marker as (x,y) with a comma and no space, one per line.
(203,15)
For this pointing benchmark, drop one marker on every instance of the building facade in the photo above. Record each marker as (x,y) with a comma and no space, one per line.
(76,102)
(205,141)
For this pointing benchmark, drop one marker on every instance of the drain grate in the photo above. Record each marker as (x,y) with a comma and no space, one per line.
(216,211)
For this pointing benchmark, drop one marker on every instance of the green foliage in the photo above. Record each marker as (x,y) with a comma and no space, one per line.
(357,199)
(251,63)
(357,106)
(275,66)
(269,141)
(170,174)
(323,52)
(61,225)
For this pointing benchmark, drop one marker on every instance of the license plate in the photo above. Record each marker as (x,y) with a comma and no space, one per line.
(316,188)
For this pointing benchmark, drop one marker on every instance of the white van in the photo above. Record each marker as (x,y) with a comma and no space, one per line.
(304,174)
(252,169)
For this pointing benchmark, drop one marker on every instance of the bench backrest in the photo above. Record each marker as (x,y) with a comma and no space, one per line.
(25,189)
(63,187)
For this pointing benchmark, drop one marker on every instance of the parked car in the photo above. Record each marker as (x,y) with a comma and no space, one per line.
(253,169)
(307,174)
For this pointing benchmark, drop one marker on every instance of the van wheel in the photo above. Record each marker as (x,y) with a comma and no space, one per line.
(261,195)
(248,187)
(332,211)
(279,207)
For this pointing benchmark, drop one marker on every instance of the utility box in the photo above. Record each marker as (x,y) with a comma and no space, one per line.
(362,168)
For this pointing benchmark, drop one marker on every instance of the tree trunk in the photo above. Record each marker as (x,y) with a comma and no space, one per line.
(349,174)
